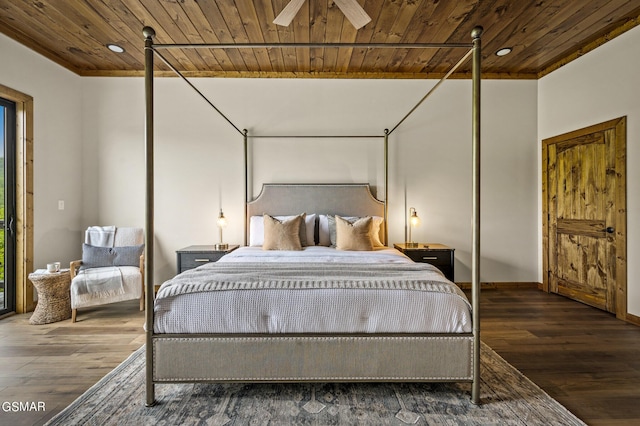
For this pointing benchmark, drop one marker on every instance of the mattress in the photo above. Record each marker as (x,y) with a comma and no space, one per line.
(318,290)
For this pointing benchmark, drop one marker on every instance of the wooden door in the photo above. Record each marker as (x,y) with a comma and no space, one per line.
(584,217)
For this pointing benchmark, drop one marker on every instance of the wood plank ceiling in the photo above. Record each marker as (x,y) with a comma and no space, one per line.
(544,35)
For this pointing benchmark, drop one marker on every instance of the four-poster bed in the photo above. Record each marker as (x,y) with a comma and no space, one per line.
(336,352)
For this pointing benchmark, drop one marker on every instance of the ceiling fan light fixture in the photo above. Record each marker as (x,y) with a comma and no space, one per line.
(351,9)
(504,51)
(115,48)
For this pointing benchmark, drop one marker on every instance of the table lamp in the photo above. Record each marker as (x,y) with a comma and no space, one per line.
(222,222)
(414,220)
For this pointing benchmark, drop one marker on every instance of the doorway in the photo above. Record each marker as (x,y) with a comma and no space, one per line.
(7,206)
(584,216)
(22,147)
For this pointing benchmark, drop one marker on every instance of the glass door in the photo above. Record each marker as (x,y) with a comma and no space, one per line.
(7,205)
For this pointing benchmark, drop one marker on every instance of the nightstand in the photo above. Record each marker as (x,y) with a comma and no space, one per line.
(438,255)
(194,256)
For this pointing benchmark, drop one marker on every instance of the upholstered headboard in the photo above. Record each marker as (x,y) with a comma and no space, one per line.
(344,199)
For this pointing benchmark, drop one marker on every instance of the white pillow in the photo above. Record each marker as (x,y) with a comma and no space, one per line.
(256,229)
(324,234)
(324,238)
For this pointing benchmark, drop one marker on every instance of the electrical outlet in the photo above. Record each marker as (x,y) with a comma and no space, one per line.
(60,204)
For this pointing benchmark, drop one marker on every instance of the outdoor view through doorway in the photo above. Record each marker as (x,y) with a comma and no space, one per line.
(7,205)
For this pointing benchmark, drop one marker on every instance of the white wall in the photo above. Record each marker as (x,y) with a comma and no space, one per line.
(433,167)
(600,86)
(199,160)
(89,151)
(57,148)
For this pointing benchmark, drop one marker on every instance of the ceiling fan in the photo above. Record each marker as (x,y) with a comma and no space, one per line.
(351,9)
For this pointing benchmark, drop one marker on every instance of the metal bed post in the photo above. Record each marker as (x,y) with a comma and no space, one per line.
(149,33)
(386,186)
(433,89)
(246,182)
(317,137)
(475,249)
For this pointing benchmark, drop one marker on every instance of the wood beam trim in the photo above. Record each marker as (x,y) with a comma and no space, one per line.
(621,218)
(628,25)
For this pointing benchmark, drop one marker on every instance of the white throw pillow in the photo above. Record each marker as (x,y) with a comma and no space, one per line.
(256,229)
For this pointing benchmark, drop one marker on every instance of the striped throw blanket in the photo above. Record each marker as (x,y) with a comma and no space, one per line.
(220,276)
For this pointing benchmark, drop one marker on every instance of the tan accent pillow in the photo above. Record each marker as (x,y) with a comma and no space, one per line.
(282,235)
(353,236)
(376,225)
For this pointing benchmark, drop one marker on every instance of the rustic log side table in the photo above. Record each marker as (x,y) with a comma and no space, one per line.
(54,298)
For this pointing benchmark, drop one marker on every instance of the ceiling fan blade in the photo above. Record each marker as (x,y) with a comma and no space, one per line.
(354,12)
(288,13)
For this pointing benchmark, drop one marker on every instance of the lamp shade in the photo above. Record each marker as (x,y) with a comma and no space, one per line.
(414,220)
(222,221)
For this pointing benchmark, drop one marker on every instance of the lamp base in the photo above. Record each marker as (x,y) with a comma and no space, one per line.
(221,246)
(411,245)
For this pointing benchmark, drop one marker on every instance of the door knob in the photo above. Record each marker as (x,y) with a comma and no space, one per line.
(610,230)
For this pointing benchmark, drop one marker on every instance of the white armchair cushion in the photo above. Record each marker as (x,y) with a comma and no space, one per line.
(131,281)
(111,236)
(128,237)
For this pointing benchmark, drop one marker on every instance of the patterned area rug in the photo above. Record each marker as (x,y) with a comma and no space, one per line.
(508,398)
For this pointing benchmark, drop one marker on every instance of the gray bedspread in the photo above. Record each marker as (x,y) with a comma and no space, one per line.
(281,297)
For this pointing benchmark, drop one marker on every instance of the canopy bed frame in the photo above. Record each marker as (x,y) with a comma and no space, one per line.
(251,358)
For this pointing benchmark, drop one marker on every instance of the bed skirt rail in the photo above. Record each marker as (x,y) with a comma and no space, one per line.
(410,358)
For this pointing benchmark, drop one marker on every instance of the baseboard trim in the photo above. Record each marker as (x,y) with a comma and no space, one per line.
(502,285)
(630,318)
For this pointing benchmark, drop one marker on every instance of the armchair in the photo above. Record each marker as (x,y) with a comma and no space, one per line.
(111,269)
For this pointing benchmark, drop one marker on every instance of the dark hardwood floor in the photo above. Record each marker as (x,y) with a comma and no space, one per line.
(586,359)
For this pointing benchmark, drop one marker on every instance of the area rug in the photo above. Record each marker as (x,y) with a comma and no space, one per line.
(508,398)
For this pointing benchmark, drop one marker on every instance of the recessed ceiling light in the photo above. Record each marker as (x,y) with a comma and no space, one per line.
(115,48)
(504,51)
